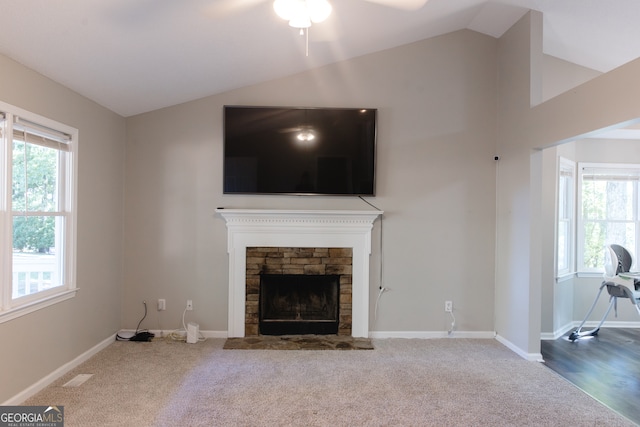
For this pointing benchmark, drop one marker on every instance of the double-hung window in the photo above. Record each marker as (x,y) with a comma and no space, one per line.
(38,215)
(609,211)
(565,264)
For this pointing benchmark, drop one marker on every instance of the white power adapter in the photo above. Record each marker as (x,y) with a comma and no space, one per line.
(193,330)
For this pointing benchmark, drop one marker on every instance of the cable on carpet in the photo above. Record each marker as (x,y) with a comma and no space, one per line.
(140,335)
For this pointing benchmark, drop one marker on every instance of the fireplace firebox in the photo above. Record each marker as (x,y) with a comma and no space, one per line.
(296,304)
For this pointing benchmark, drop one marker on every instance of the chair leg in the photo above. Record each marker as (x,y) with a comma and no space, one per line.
(578,333)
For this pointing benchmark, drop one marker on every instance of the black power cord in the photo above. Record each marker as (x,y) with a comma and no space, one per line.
(140,335)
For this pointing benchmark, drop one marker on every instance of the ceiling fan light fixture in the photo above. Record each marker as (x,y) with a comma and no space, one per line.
(300,13)
(301,21)
(318,10)
(288,9)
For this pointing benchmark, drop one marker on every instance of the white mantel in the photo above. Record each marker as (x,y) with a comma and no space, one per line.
(303,229)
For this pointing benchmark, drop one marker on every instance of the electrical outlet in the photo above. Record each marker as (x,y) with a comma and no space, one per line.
(162,304)
(448,306)
(189,305)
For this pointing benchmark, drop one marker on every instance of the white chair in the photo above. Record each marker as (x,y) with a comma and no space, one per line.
(619,282)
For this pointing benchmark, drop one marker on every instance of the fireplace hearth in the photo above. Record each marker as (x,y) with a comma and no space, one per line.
(297,304)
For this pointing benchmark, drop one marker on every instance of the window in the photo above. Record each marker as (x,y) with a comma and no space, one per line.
(565,264)
(37,185)
(609,211)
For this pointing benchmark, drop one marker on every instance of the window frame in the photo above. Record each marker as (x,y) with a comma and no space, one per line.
(566,166)
(11,308)
(582,270)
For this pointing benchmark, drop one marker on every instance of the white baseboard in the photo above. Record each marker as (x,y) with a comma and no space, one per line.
(165,332)
(558,332)
(532,357)
(432,334)
(588,325)
(206,334)
(44,382)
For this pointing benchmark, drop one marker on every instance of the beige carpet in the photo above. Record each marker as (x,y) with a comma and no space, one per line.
(437,382)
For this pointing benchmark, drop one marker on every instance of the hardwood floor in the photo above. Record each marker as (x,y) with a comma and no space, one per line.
(607,367)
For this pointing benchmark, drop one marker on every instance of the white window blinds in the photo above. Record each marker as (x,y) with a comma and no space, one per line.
(32,133)
(610,174)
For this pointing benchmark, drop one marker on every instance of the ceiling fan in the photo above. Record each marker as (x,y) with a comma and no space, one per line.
(302,13)
(222,7)
(297,12)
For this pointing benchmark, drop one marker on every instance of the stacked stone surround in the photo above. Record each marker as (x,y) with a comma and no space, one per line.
(311,261)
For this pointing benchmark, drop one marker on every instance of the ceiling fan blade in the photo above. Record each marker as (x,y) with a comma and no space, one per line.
(401,4)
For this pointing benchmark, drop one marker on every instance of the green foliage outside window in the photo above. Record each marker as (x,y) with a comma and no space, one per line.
(608,217)
(34,190)
(33,233)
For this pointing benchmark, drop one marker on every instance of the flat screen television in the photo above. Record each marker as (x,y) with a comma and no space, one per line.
(303,151)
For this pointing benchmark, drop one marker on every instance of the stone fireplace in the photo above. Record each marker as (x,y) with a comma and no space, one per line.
(305,231)
(298,291)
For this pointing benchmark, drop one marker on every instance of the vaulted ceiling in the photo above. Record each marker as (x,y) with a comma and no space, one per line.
(133,56)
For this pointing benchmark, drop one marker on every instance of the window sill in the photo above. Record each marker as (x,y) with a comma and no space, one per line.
(565,277)
(590,274)
(15,312)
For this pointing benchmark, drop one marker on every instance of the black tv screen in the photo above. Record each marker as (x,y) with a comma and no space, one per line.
(294,150)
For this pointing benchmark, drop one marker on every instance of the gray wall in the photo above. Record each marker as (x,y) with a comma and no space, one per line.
(436,184)
(558,76)
(36,344)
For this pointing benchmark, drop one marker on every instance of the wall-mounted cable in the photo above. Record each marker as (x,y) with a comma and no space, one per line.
(180,334)
(453,323)
(382,289)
